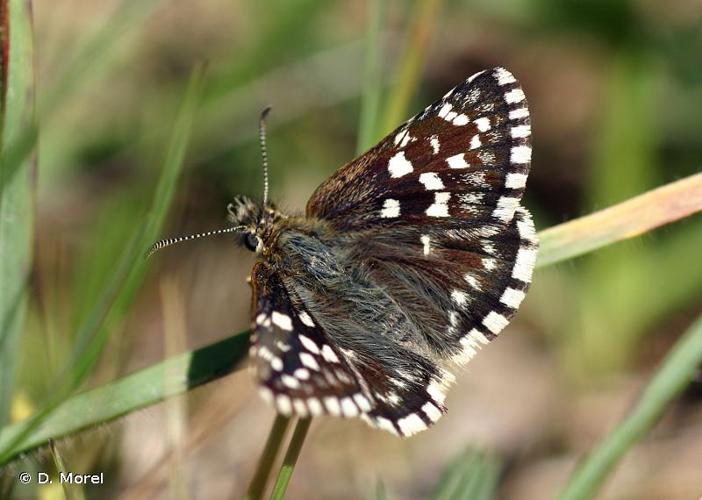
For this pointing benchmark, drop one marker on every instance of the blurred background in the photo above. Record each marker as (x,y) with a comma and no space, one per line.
(614,88)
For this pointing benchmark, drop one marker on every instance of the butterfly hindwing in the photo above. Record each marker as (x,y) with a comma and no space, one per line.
(304,371)
(299,370)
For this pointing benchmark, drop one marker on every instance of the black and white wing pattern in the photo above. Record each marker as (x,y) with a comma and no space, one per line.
(466,156)
(304,371)
(422,256)
(446,187)
(300,370)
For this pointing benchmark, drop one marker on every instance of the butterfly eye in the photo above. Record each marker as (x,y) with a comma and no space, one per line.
(251,242)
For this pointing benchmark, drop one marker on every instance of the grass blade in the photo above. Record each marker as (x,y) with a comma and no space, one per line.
(677,370)
(16,199)
(372,78)
(286,470)
(119,291)
(473,476)
(265,462)
(424,20)
(70,491)
(173,376)
(92,55)
(625,220)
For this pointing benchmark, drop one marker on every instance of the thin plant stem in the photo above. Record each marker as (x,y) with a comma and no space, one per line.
(675,373)
(424,19)
(286,470)
(265,462)
(622,221)
(372,78)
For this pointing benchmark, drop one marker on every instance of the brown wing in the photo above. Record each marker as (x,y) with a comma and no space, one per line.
(466,155)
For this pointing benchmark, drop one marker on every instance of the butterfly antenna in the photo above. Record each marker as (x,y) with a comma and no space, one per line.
(264,152)
(172,241)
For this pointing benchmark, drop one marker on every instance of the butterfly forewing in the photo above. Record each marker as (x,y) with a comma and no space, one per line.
(466,155)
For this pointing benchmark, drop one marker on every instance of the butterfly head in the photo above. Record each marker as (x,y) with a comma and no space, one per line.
(254,220)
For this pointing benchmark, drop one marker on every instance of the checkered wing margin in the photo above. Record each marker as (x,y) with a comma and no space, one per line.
(304,371)
(300,370)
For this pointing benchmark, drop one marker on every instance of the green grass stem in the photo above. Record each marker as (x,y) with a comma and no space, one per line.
(288,466)
(677,370)
(267,459)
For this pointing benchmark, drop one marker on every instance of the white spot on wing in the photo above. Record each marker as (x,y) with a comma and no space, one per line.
(512,297)
(332,405)
(283,321)
(431,411)
(308,360)
(306,319)
(478,336)
(489,263)
(457,161)
(440,206)
(445,109)
(461,120)
(309,344)
(436,391)
(315,407)
(434,141)
(399,165)
(459,297)
(290,382)
(472,281)
(520,154)
(431,181)
(277,364)
(515,181)
(329,354)
(283,404)
(391,208)
(519,113)
(426,241)
(362,402)
(385,424)
(525,226)
(524,264)
(483,123)
(504,77)
(411,424)
(506,206)
(514,96)
(495,322)
(475,142)
(348,408)
(300,407)
(520,131)
(266,394)
(302,373)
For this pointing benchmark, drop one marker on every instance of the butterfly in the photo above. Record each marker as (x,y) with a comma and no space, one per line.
(407,261)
